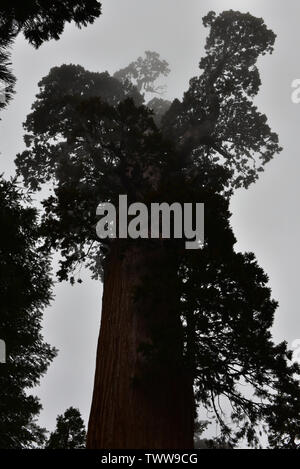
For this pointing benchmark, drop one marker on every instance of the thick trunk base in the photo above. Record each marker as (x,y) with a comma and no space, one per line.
(138,405)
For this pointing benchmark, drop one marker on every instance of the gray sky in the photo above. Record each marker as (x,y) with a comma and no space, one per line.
(265,217)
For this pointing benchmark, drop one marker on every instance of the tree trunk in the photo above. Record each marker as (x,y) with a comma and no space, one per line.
(141,400)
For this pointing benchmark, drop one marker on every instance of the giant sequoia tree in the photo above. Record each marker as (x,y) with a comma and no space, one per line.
(179,328)
(25,290)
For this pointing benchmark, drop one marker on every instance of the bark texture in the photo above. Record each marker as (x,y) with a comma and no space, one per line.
(140,403)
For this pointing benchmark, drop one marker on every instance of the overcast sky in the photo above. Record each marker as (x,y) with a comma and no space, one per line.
(265,217)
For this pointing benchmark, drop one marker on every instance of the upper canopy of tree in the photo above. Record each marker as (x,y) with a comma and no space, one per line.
(217,116)
(41,20)
(95,143)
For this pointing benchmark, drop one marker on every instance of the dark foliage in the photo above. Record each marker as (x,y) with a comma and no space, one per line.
(7,79)
(69,433)
(40,21)
(25,290)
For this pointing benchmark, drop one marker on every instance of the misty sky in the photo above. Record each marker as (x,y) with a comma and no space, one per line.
(265,217)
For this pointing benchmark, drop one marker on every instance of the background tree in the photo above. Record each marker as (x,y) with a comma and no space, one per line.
(143,75)
(173,321)
(144,72)
(69,433)
(159,107)
(25,290)
(206,443)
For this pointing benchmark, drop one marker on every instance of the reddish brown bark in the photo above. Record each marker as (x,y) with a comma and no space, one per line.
(136,404)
